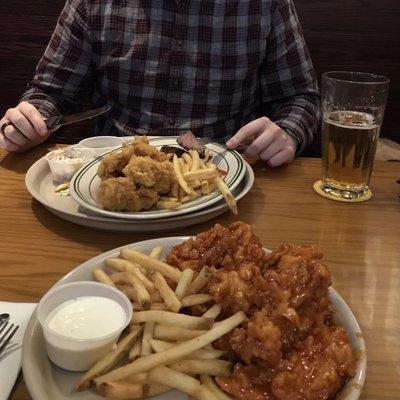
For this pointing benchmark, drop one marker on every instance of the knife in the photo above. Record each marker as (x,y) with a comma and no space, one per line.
(60,120)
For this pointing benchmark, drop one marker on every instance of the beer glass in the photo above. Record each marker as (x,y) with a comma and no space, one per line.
(353,104)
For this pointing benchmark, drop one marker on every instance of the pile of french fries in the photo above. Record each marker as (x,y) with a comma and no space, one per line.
(165,349)
(195,177)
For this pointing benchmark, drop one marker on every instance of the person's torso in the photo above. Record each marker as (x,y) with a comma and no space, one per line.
(170,65)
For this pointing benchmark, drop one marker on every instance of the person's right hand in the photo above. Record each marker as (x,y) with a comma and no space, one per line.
(28,129)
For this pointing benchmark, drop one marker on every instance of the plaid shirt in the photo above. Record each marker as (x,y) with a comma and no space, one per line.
(210,66)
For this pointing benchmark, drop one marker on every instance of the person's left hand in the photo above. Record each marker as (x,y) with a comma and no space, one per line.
(267,141)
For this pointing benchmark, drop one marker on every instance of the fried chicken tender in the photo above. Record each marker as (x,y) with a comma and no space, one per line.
(286,276)
(289,347)
(155,175)
(315,370)
(121,194)
(286,300)
(142,148)
(113,164)
(219,247)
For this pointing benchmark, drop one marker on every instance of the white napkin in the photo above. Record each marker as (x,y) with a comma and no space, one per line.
(10,360)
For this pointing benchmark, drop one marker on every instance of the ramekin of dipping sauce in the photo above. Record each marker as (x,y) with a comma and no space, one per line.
(101,144)
(81,322)
(65,162)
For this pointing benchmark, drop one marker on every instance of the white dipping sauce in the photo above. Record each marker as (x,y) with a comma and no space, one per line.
(88,317)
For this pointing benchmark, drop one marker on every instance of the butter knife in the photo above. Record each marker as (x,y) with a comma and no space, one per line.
(60,120)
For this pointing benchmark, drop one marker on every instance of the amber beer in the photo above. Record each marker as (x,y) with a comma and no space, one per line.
(349,144)
(353,105)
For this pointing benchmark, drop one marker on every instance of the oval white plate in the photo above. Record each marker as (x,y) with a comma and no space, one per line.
(38,181)
(45,381)
(85,183)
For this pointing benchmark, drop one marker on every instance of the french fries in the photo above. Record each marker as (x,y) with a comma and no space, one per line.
(195,160)
(102,277)
(184,282)
(228,196)
(200,281)
(196,299)
(135,351)
(130,391)
(214,388)
(156,252)
(171,318)
(213,312)
(201,174)
(147,336)
(174,333)
(152,264)
(179,174)
(165,348)
(205,367)
(168,295)
(168,377)
(111,359)
(176,353)
(125,266)
(167,205)
(204,354)
(140,293)
(183,382)
(154,306)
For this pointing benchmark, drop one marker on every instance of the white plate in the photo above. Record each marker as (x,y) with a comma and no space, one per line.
(39,183)
(85,183)
(45,381)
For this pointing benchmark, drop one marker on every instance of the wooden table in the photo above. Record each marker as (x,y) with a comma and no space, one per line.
(361,243)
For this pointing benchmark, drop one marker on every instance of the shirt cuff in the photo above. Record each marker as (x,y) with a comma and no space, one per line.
(291,128)
(45,106)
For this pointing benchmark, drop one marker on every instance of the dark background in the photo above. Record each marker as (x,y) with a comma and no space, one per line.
(359,35)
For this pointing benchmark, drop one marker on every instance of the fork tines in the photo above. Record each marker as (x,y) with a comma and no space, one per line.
(7,335)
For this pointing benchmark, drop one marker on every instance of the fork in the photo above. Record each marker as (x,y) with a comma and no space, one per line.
(8,333)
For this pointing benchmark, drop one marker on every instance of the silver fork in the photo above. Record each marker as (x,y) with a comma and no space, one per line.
(8,334)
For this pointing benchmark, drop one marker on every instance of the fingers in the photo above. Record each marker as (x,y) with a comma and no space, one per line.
(34,117)
(270,135)
(15,136)
(7,144)
(22,129)
(283,157)
(248,132)
(271,144)
(274,148)
(27,128)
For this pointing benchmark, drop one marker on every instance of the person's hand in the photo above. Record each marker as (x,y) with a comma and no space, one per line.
(267,141)
(27,130)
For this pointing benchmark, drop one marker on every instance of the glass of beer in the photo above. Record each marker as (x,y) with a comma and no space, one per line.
(353,104)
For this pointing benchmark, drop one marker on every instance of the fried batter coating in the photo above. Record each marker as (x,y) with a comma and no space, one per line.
(142,148)
(113,164)
(121,194)
(219,247)
(316,369)
(289,347)
(144,171)
(285,277)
